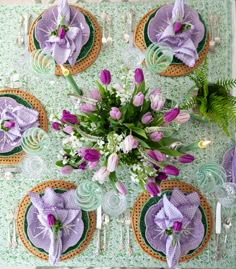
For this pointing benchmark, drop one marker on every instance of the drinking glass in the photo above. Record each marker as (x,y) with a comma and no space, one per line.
(33,166)
(226,194)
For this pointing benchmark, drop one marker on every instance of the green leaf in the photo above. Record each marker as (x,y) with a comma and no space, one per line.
(67,151)
(113,179)
(101,89)
(139,131)
(170,152)
(167,141)
(60,164)
(142,142)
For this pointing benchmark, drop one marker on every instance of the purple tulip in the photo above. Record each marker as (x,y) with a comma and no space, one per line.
(177,27)
(91,155)
(95,94)
(171,170)
(152,188)
(56,126)
(112,162)
(115,113)
(61,32)
(66,170)
(51,220)
(147,118)
(156,136)
(129,143)
(157,101)
(171,115)
(156,155)
(138,99)
(68,129)
(101,175)
(161,176)
(92,165)
(105,77)
(138,75)
(177,227)
(187,158)
(8,124)
(82,166)
(121,188)
(87,108)
(182,118)
(68,117)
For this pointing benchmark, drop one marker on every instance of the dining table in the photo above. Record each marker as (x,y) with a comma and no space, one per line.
(53,94)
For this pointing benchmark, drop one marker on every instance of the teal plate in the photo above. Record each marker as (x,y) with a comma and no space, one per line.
(85,218)
(142,227)
(148,42)
(24,103)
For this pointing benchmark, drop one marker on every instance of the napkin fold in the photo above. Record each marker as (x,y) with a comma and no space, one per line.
(22,117)
(63,208)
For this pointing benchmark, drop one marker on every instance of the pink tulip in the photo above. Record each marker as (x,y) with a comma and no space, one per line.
(138,75)
(187,158)
(129,143)
(51,220)
(121,188)
(115,113)
(56,126)
(161,176)
(147,118)
(171,115)
(68,129)
(82,166)
(61,32)
(138,99)
(177,227)
(66,170)
(177,27)
(157,101)
(156,136)
(182,118)
(87,108)
(95,94)
(101,175)
(92,165)
(112,162)
(8,124)
(156,155)
(105,77)
(171,170)
(152,188)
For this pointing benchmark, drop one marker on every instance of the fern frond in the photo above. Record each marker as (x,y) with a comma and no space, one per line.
(191,103)
(228,84)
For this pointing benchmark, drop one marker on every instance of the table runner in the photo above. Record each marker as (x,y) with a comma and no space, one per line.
(53,95)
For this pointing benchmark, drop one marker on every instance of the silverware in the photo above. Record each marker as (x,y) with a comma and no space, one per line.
(131,23)
(211,32)
(217,26)
(14,240)
(109,38)
(218,231)
(10,218)
(125,35)
(20,37)
(121,221)
(27,18)
(227,225)
(104,40)
(128,223)
(99,228)
(106,221)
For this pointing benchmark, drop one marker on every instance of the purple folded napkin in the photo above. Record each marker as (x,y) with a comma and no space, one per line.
(14,120)
(174,225)
(62,209)
(180,28)
(229,164)
(62,32)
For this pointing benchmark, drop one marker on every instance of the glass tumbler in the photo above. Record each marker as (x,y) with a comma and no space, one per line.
(226,194)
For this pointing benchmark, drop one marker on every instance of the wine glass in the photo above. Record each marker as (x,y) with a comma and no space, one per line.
(226,194)
(33,166)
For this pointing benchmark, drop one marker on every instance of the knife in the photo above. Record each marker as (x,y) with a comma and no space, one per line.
(131,34)
(99,228)
(218,231)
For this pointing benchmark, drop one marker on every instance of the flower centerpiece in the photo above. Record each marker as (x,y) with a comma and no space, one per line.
(212,101)
(118,126)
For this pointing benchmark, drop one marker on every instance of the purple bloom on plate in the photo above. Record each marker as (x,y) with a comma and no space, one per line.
(121,187)
(105,77)
(66,170)
(171,170)
(91,155)
(51,220)
(157,101)
(171,115)
(147,118)
(112,162)
(187,158)
(152,188)
(161,176)
(87,108)
(138,75)
(56,126)
(177,227)
(177,27)
(68,117)
(115,113)
(156,136)
(8,124)
(61,32)
(138,99)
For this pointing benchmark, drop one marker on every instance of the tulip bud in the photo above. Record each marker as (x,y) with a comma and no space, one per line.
(95,94)
(115,113)
(138,75)
(101,175)
(157,101)
(82,166)
(66,170)
(177,227)
(152,188)
(171,170)
(51,220)
(161,176)
(187,158)
(171,115)
(112,162)
(56,126)
(87,108)
(68,117)
(68,129)
(156,155)
(8,124)
(156,136)
(138,99)
(147,118)
(129,143)
(177,27)
(182,118)
(90,155)
(61,32)
(121,188)
(105,77)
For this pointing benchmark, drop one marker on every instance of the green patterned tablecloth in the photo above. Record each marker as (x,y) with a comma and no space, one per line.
(53,95)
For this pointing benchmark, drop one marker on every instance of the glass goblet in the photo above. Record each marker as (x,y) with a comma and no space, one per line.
(226,194)
(33,166)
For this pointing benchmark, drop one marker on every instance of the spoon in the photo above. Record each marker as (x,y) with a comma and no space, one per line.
(217,38)
(211,31)
(104,40)
(227,225)
(20,38)
(109,38)
(126,35)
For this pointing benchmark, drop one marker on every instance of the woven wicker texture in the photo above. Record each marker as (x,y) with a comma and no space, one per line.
(43,122)
(174,70)
(92,55)
(55,184)
(170,185)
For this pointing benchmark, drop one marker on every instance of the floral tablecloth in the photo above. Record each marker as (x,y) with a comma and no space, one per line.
(53,95)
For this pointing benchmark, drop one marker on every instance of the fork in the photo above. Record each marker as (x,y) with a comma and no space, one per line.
(109,38)
(14,240)
(10,218)
(121,222)
(128,223)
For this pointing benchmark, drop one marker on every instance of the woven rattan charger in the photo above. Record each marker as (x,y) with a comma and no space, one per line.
(55,184)
(170,185)
(43,122)
(174,70)
(92,55)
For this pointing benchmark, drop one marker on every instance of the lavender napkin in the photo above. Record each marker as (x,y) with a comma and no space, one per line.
(162,216)
(62,32)
(63,208)
(229,164)
(22,118)
(183,43)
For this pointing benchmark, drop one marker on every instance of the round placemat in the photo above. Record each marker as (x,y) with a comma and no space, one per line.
(170,185)
(91,56)
(174,70)
(43,122)
(20,220)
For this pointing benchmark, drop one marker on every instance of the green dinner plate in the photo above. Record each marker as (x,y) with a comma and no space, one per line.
(23,102)
(148,42)
(85,218)
(142,227)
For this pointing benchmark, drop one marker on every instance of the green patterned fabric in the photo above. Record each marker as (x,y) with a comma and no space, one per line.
(53,93)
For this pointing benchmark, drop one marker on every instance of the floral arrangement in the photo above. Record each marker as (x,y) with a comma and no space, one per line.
(118,126)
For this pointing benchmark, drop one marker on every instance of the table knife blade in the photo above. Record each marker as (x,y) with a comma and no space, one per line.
(99,227)
(218,230)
